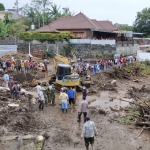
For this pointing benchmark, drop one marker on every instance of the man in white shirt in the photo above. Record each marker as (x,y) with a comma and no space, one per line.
(88,132)
(38,87)
(64,97)
(41,99)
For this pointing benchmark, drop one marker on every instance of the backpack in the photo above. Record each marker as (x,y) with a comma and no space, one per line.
(17,88)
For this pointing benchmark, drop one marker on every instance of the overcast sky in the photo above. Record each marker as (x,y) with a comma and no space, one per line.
(117,11)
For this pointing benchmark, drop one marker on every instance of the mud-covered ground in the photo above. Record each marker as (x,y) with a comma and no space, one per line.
(64,131)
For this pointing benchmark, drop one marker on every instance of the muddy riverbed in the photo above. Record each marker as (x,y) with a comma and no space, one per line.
(64,131)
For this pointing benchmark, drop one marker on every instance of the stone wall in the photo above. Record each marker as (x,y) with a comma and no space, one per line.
(8,41)
(86,50)
(127,50)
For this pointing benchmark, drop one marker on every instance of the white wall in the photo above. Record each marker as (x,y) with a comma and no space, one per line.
(7,49)
(142,56)
(89,41)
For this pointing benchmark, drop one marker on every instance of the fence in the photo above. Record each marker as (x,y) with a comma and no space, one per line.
(89,41)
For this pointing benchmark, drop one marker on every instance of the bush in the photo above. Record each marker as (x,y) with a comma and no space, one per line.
(44,36)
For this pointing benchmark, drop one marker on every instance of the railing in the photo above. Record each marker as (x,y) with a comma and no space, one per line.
(125,43)
(91,41)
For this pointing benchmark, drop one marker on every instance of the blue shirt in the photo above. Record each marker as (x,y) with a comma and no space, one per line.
(6,77)
(71,93)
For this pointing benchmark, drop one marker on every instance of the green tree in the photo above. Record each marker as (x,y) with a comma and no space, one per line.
(55,12)
(2,8)
(67,12)
(17,27)
(142,22)
(124,27)
(3,28)
(6,19)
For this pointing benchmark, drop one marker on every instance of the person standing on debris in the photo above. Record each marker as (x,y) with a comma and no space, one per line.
(45,64)
(63,97)
(4,65)
(45,94)
(18,64)
(41,99)
(22,66)
(84,92)
(52,95)
(83,106)
(48,94)
(71,95)
(16,89)
(6,79)
(88,132)
(10,85)
(38,87)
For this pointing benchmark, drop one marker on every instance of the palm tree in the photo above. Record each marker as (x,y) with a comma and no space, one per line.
(55,12)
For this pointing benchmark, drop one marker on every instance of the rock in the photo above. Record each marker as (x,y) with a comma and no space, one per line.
(39,138)
(101,111)
(116,114)
(46,135)
(113,82)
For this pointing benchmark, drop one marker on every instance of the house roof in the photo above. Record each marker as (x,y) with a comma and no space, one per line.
(107,25)
(81,21)
(46,28)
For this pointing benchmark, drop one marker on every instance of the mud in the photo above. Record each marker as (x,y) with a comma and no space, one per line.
(63,129)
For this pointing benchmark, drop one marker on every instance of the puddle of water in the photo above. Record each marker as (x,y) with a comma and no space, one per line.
(104,102)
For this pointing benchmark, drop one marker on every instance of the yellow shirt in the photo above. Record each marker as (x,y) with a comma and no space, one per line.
(22,64)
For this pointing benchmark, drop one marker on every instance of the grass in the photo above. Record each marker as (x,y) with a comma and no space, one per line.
(130,117)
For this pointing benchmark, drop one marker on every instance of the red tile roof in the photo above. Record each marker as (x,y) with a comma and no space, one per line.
(46,28)
(81,21)
(107,25)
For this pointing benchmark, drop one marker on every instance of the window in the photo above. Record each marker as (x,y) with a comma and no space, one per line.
(67,71)
(75,34)
(81,34)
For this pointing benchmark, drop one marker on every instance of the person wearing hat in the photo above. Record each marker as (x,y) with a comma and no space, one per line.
(63,97)
(10,85)
(41,98)
(83,106)
(6,79)
(84,92)
(88,132)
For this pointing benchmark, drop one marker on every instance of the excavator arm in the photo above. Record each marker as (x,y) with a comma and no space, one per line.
(60,58)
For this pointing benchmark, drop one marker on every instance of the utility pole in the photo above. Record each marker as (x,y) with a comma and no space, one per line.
(17,8)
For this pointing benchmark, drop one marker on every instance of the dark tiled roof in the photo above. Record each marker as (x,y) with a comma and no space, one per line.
(80,21)
(107,25)
(46,28)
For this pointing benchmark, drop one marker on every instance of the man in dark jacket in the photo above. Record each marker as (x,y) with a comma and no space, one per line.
(84,93)
(10,85)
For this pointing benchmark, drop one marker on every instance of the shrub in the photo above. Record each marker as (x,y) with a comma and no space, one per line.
(44,36)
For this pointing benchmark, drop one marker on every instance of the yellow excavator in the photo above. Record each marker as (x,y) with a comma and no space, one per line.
(64,76)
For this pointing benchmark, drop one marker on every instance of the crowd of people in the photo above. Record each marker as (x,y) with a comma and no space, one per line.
(21,65)
(46,96)
(84,68)
(13,86)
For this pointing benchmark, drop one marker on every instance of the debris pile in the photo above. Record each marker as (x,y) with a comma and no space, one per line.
(138,93)
(125,71)
(139,113)
(101,82)
(144,111)
(18,120)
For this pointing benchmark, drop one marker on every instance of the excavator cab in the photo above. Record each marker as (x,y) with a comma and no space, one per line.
(62,70)
(65,77)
